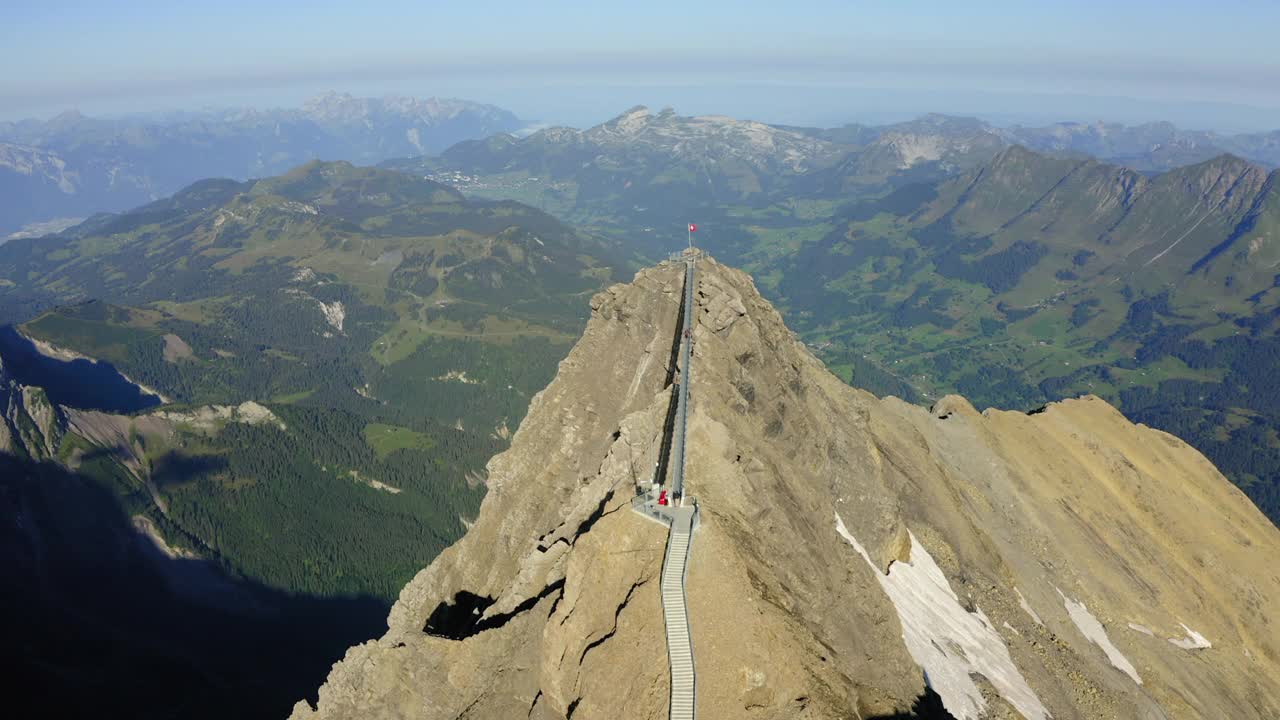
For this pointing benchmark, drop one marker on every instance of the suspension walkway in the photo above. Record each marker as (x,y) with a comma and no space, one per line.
(681,517)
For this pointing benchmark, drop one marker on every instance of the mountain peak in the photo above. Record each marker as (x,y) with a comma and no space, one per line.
(630,121)
(67,121)
(1225,180)
(68,116)
(398,110)
(1015,153)
(1227,160)
(844,543)
(953,122)
(328,96)
(1015,161)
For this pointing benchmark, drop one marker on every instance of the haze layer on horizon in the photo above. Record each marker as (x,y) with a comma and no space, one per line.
(572,62)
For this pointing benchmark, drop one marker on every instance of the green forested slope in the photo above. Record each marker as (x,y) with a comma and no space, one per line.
(350,302)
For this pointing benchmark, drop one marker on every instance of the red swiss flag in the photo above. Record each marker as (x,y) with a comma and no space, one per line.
(693,228)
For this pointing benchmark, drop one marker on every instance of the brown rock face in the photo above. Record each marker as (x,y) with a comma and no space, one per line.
(1066,563)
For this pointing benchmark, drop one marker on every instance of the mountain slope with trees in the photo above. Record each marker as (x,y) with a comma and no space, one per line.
(396,329)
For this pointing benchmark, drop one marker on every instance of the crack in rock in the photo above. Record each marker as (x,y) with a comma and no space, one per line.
(613,630)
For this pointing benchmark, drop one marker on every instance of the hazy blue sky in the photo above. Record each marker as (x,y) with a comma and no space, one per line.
(1196,62)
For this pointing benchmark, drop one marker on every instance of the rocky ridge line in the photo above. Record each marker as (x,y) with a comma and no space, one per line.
(1055,533)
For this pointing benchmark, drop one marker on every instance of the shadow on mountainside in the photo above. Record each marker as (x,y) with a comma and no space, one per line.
(98,623)
(926,707)
(76,383)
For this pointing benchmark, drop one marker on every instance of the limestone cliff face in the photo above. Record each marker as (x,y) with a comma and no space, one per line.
(1063,564)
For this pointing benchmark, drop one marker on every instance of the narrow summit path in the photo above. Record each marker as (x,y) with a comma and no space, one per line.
(681,517)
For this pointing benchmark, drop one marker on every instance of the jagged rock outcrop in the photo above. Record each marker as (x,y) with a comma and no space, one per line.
(30,425)
(1065,563)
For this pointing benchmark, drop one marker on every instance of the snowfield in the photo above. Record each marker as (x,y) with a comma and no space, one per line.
(949,642)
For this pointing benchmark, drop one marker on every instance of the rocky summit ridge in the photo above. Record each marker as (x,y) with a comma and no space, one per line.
(1065,563)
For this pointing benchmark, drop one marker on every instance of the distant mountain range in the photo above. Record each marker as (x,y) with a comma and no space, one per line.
(646,169)
(943,255)
(1150,147)
(648,159)
(74,166)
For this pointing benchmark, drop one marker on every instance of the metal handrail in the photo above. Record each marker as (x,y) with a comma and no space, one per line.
(688,630)
(682,412)
(644,502)
(671,681)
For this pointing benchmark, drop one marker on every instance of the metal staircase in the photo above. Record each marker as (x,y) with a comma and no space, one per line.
(675,612)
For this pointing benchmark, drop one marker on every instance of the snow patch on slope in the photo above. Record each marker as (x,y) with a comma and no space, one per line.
(1193,640)
(1089,626)
(946,640)
(1026,607)
(1142,629)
